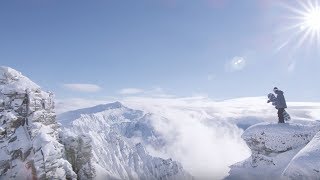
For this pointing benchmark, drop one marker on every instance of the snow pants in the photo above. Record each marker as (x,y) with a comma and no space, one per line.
(280,115)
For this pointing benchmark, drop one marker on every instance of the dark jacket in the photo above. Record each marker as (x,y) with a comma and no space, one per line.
(281,101)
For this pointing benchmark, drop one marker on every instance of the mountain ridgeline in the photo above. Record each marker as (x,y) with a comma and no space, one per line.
(92,143)
(115,142)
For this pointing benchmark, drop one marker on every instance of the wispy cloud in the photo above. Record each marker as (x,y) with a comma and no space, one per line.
(129,91)
(236,63)
(83,87)
(153,92)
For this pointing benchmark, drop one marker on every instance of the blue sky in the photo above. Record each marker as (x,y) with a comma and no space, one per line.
(219,48)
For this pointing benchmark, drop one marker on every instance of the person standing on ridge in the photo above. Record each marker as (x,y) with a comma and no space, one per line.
(280,103)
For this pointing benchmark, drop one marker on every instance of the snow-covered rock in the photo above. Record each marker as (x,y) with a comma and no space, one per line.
(96,143)
(277,149)
(306,164)
(113,130)
(29,147)
(13,81)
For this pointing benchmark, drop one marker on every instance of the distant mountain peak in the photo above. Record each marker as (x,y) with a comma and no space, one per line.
(130,114)
(122,133)
(116,104)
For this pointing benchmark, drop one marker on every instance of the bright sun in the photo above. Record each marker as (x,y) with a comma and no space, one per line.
(312,19)
(306,25)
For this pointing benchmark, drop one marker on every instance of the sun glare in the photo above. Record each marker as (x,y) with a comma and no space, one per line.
(312,19)
(306,23)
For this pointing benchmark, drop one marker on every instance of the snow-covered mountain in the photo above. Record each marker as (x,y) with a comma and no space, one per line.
(29,147)
(147,138)
(111,134)
(95,143)
(204,134)
(280,151)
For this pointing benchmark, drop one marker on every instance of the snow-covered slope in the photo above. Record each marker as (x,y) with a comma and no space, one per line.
(306,164)
(115,136)
(29,147)
(280,151)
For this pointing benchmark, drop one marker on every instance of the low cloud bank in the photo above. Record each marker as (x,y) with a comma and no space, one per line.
(203,134)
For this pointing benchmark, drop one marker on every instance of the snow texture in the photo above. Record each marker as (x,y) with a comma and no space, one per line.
(13,81)
(201,133)
(96,143)
(29,147)
(112,141)
(306,164)
(111,129)
(280,151)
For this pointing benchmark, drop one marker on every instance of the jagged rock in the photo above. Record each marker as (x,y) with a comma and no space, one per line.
(79,154)
(94,145)
(29,147)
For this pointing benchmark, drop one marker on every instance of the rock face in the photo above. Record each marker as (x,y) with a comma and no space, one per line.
(106,136)
(29,147)
(279,151)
